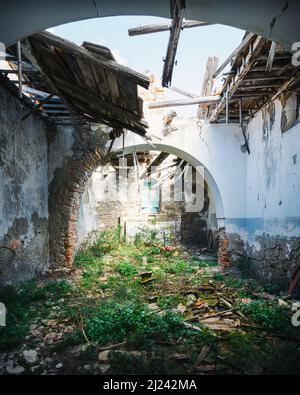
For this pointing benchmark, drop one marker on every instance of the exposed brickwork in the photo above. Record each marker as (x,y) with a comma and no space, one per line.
(223,253)
(64,195)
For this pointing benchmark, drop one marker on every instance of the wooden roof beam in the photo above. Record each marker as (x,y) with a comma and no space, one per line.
(234,83)
(190,102)
(242,45)
(177,12)
(271,56)
(156,162)
(164,27)
(107,64)
(127,119)
(262,78)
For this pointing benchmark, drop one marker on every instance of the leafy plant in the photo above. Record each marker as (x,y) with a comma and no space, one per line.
(269,315)
(178,266)
(114,321)
(165,302)
(126,269)
(146,235)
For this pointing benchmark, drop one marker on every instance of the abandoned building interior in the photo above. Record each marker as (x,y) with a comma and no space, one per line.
(75,123)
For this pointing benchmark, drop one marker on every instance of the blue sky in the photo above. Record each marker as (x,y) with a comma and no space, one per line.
(146,53)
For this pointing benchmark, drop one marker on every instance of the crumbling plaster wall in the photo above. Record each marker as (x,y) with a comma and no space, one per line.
(23,192)
(267,241)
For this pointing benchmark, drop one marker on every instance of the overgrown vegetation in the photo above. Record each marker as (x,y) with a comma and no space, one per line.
(156,310)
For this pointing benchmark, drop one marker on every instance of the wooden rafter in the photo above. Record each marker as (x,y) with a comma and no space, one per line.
(92,84)
(243,44)
(233,82)
(187,102)
(177,12)
(164,27)
(155,163)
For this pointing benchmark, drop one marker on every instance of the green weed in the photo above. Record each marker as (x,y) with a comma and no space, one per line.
(126,269)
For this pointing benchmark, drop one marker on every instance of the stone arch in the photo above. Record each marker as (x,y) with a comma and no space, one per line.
(277,20)
(69,184)
(193,162)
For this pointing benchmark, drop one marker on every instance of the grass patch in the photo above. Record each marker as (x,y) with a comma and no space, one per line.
(114,321)
(178,266)
(269,315)
(126,269)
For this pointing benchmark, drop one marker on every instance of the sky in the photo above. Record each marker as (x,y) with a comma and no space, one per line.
(146,53)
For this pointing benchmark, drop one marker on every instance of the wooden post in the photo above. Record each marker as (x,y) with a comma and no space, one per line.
(20,76)
(208,81)
(227,106)
(271,56)
(241,114)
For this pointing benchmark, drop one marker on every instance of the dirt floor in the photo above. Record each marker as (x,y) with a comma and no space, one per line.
(142,308)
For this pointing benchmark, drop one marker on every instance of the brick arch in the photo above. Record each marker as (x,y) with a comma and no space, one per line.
(64,200)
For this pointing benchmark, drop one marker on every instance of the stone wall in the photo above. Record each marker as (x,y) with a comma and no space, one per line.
(23,193)
(99,212)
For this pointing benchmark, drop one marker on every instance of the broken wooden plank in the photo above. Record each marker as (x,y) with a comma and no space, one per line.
(235,82)
(190,102)
(208,82)
(20,74)
(260,77)
(11,71)
(156,162)
(271,56)
(35,109)
(47,38)
(98,105)
(182,92)
(98,50)
(14,91)
(243,44)
(38,93)
(95,101)
(164,27)
(177,8)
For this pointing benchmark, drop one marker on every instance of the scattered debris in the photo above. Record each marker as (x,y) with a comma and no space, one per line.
(30,356)
(191,317)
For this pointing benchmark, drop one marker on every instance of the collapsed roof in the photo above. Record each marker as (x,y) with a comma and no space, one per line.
(260,71)
(66,82)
